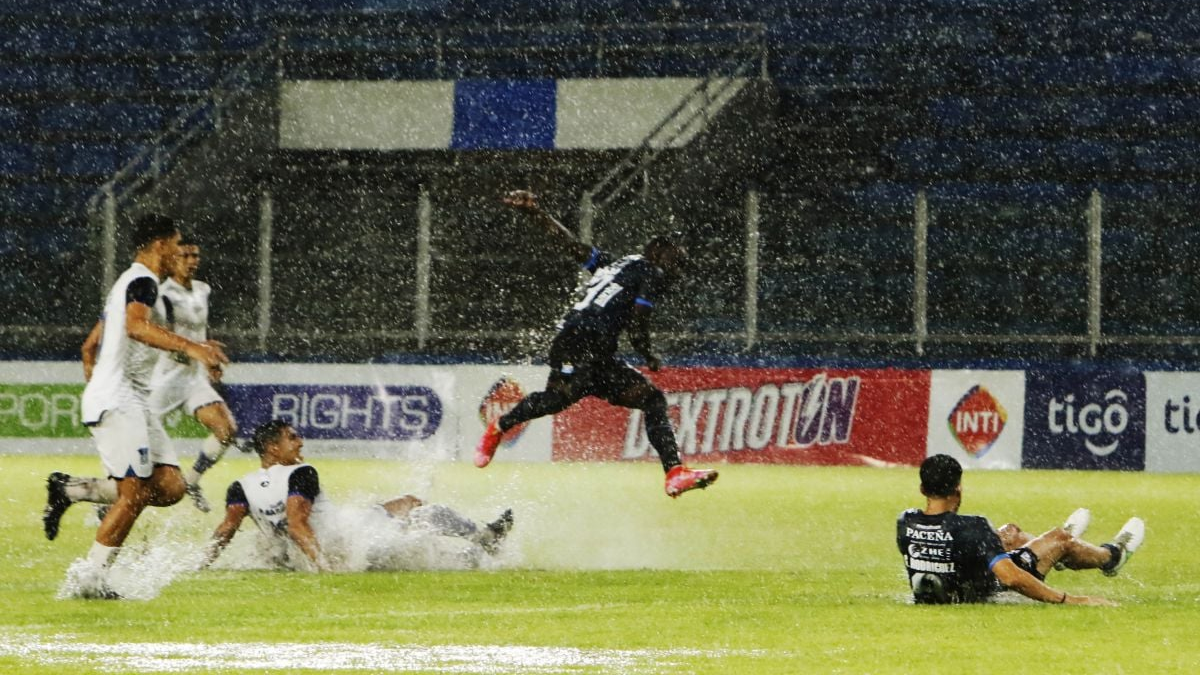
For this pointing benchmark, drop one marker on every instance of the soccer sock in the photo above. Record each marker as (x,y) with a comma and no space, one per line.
(443,520)
(658,430)
(98,490)
(101,555)
(211,452)
(538,404)
(1116,556)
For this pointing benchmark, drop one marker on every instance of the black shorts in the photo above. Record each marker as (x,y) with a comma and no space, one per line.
(1026,560)
(586,365)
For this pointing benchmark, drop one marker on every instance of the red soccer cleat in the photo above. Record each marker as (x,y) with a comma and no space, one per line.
(486,448)
(680,479)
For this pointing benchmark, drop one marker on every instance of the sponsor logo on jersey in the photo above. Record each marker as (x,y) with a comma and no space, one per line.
(501,397)
(977,420)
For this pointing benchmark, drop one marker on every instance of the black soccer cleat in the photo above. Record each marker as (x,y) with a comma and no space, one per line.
(497,530)
(57,503)
(198,498)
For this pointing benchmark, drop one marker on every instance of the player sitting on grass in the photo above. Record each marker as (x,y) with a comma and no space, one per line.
(951,558)
(285,501)
(583,357)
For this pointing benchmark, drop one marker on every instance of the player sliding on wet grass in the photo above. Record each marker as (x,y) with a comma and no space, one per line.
(583,356)
(952,558)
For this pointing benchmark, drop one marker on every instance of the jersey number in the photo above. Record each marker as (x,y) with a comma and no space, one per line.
(600,290)
(928,588)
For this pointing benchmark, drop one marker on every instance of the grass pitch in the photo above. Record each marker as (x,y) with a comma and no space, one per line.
(771,570)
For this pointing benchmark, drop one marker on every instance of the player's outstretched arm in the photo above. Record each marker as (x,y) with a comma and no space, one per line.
(91,349)
(234,514)
(1031,587)
(527,202)
(299,508)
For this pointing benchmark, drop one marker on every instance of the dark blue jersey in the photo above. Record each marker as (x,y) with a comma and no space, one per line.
(949,557)
(616,287)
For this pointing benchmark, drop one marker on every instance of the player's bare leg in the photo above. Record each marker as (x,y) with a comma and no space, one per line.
(217,418)
(63,490)
(164,487)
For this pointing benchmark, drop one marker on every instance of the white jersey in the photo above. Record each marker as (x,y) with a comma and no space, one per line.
(123,370)
(187,314)
(266,492)
(189,308)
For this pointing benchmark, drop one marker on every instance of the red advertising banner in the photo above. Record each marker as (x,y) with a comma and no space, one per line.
(764,415)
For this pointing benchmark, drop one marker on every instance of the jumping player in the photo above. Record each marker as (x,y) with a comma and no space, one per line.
(133,446)
(583,356)
(951,558)
(285,500)
(180,381)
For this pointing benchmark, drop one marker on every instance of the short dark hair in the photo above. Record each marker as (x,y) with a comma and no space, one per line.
(267,433)
(152,227)
(187,239)
(940,475)
(665,240)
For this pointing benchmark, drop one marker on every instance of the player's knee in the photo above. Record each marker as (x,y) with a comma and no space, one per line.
(227,433)
(1010,536)
(654,401)
(1059,536)
(168,487)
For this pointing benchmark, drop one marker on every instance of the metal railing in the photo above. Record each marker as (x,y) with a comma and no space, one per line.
(690,115)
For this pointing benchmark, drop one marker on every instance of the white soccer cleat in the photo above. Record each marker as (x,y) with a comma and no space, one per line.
(1127,541)
(1077,523)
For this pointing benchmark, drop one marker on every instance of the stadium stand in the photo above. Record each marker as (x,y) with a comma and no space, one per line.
(1005,116)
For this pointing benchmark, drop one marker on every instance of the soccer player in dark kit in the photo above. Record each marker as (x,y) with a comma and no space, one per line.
(583,356)
(952,558)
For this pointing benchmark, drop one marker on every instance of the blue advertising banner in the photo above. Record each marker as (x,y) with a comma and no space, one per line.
(1085,419)
(342,412)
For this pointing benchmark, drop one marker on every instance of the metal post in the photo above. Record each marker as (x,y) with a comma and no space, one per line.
(1094,240)
(587,216)
(920,271)
(266,219)
(424,265)
(108,246)
(752,239)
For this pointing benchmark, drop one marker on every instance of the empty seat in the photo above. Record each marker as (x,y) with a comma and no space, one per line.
(111,77)
(19,159)
(12,118)
(184,77)
(29,198)
(86,159)
(75,116)
(130,117)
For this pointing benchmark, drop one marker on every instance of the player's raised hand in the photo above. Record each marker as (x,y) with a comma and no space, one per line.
(521,199)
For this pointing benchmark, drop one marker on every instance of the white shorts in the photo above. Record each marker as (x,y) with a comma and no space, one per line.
(131,441)
(190,388)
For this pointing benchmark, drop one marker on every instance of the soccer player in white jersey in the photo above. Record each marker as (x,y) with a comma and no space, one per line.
(179,381)
(285,501)
(134,448)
